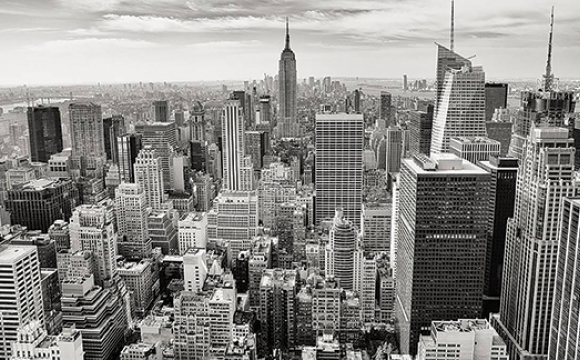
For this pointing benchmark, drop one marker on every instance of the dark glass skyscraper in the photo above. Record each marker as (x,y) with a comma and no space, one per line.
(113,127)
(495,98)
(45,132)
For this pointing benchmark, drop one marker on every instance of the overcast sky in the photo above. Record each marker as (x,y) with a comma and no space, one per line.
(84,41)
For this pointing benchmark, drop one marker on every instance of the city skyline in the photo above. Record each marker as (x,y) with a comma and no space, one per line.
(57,42)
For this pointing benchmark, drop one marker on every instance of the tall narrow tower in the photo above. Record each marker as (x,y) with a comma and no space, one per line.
(287,126)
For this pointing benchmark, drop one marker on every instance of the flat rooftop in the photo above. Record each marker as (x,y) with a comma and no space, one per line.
(11,253)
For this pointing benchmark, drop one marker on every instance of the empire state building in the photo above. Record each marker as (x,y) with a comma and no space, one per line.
(287,124)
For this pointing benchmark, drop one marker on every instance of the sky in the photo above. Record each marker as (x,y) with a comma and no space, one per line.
(44,42)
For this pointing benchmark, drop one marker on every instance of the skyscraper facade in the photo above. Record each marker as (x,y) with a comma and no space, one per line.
(233,144)
(161,111)
(113,127)
(339,165)
(564,334)
(287,122)
(149,174)
(545,176)
(88,139)
(132,214)
(161,137)
(420,127)
(45,132)
(340,250)
(461,107)
(129,146)
(441,243)
(495,98)
(446,59)
(385,107)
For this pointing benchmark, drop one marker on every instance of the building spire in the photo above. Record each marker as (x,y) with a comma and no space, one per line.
(452,32)
(549,77)
(287,36)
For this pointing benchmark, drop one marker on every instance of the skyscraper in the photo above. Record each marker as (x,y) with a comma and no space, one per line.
(495,98)
(132,214)
(447,59)
(474,149)
(113,127)
(149,174)
(385,107)
(441,243)
(564,334)
(502,192)
(461,107)
(197,122)
(161,138)
(340,250)
(45,132)
(287,122)
(420,127)
(339,165)
(88,140)
(396,147)
(545,176)
(129,146)
(161,111)
(233,138)
(21,300)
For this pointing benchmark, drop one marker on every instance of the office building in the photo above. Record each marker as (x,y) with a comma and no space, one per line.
(340,251)
(234,219)
(474,149)
(278,290)
(564,334)
(203,191)
(21,302)
(420,126)
(194,269)
(287,126)
(113,127)
(441,250)
(446,59)
(132,222)
(502,192)
(38,203)
(197,153)
(375,225)
(149,175)
(88,139)
(160,137)
(257,144)
(265,110)
(233,146)
(500,131)
(385,107)
(163,231)
(365,282)
(495,98)
(468,339)
(161,111)
(338,165)
(138,278)
(192,232)
(545,177)
(197,122)
(260,259)
(129,146)
(60,233)
(142,351)
(33,342)
(92,228)
(397,144)
(460,110)
(45,132)
(98,314)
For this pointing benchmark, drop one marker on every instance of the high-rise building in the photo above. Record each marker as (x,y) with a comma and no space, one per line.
(138,278)
(161,111)
(397,140)
(45,132)
(564,334)
(420,126)
(92,228)
(287,126)
(502,192)
(197,122)
(265,110)
(495,98)
(357,101)
(257,143)
(149,174)
(278,290)
(500,131)
(339,165)
(446,59)
(365,282)
(88,139)
(474,149)
(160,137)
(442,243)
(194,269)
(375,225)
(339,255)
(192,232)
(132,215)
(460,110)
(163,231)
(405,83)
(233,138)
(469,339)
(545,177)
(385,107)
(113,127)
(21,302)
(129,146)
(39,203)
(34,342)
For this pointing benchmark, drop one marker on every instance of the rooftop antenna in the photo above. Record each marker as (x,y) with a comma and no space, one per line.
(549,77)
(287,34)
(452,33)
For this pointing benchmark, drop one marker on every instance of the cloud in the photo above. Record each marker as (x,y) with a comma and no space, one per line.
(90,44)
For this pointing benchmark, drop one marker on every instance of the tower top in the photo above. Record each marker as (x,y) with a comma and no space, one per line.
(452,31)
(549,77)
(287,47)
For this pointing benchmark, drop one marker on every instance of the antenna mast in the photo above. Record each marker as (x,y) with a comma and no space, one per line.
(549,77)
(452,34)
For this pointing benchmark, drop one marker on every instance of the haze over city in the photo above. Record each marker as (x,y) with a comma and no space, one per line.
(83,41)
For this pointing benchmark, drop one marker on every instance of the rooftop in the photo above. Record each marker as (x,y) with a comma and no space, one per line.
(11,253)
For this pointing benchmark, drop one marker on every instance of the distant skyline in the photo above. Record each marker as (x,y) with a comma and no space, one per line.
(48,42)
